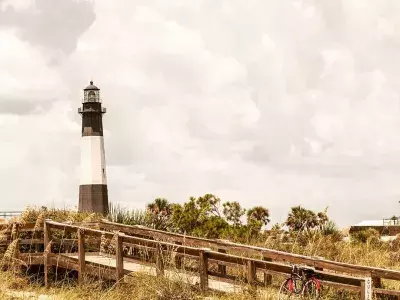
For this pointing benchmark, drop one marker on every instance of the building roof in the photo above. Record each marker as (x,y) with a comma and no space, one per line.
(382,222)
(370,223)
(91,87)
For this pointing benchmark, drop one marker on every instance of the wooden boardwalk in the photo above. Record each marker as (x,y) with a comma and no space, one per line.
(131,266)
(210,264)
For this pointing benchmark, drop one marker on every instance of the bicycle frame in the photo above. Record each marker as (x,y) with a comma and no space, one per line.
(295,276)
(299,282)
(299,274)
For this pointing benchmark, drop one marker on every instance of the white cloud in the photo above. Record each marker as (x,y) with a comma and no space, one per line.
(18,4)
(204,96)
(19,61)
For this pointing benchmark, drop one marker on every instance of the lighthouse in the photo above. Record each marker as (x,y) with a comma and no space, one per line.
(93,192)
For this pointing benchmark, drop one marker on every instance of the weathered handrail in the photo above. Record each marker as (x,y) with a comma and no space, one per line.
(254,250)
(204,256)
(194,248)
(267,254)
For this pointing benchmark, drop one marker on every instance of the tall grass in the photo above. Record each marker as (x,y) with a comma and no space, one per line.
(126,216)
(325,242)
(37,215)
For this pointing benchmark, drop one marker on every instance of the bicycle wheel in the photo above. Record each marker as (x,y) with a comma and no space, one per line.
(286,290)
(312,289)
(291,288)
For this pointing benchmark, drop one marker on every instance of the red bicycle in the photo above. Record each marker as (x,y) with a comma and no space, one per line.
(302,282)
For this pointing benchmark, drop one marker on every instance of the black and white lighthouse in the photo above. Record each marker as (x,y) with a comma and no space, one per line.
(93,193)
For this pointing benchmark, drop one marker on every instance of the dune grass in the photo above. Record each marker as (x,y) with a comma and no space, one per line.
(140,286)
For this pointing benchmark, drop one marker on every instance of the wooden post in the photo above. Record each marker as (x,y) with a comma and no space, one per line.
(366,289)
(135,252)
(81,255)
(363,290)
(15,234)
(178,259)
(37,246)
(159,260)
(251,272)
(377,282)
(15,237)
(222,268)
(16,251)
(203,269)
(119,256)
(47,252)
(267,277)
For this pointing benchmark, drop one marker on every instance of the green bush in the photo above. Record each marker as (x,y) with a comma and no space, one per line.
(367,235)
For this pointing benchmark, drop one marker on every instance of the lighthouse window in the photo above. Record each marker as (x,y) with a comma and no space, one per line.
(92,96)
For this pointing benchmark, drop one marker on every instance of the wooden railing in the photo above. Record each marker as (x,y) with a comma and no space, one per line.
(377,274)
(204,256)
(246,260)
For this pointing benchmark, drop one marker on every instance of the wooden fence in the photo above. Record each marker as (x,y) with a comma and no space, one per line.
(247,260)
(377,274)
(204,257)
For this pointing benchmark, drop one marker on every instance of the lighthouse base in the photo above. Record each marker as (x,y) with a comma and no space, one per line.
(93,198)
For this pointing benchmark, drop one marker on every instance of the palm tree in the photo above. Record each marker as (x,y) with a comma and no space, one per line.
(258,216)
(301,218)
(322,218)
(160,212)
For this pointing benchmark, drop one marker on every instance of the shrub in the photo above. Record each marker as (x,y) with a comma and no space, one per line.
(367,235)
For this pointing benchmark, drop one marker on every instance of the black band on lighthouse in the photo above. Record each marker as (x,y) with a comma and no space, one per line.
(93,198)
(92,120)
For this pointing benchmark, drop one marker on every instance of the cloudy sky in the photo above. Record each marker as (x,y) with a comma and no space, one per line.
(273,103)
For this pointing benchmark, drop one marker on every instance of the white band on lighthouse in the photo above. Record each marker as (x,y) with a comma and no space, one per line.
(93,164)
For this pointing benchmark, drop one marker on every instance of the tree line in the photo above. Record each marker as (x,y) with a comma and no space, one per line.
(207,216)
